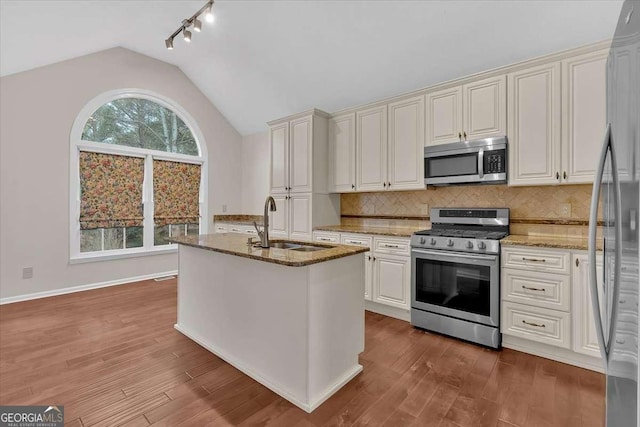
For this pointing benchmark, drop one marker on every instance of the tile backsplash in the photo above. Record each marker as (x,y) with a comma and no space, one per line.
(543,202)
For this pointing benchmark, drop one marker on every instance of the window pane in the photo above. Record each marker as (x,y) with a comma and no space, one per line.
(113,238)
(91,240)
(193,229)
(160,235)
(140,123)
(177,230)
(134,237)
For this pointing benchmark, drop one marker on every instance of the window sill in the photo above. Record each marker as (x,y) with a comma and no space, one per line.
(121,254)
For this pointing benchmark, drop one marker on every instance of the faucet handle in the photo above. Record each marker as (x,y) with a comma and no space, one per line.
(260,233)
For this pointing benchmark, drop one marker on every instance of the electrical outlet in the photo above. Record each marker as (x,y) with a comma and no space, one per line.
(27,272)
(224,208)
(565,210)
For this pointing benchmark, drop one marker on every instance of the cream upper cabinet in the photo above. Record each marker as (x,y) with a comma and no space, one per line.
(406,144)
(534,125)
(279,139)
(485,108)
(371,149)
(585,338)
(342,153)
(475,110)
(300,155)
(584,115)
(444,116)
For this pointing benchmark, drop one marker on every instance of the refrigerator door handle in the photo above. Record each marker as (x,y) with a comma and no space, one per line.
(593,226)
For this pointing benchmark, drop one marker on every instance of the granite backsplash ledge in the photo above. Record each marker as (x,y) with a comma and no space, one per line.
(526,203)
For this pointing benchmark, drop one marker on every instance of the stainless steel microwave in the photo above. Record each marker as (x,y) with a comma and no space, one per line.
(467,162)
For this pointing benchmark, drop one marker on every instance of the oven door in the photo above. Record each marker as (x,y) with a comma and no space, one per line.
(459,285)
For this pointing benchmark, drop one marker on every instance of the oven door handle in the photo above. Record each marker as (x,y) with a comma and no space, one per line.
(447,255)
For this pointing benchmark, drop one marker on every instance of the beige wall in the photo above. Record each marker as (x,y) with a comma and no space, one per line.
(542,202)
(255,172)
(37,110)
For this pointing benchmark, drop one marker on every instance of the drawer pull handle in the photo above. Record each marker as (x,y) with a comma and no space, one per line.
(324,239)
(537,325)
(623,301)
(620,341)
(391,246)
(354,242)
(533,289)
(534,259)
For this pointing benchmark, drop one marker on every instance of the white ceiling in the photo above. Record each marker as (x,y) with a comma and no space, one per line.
(266,59)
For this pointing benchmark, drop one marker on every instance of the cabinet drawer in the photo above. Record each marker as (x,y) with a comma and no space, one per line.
(323,236)
(536,259)
(391,246)
(536,324)
(356,239)
(546,290)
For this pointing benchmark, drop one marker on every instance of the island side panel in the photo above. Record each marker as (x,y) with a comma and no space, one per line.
(336,324)
(251,313)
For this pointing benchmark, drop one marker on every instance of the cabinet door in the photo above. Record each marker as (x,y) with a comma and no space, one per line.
(279,139)
(279,220)
(584,115)
(485,108)
(534,125)
(342,153)
(391,276)
(585,340)
(371,149)
(406,144)
(444,116)
(300,217)
(301,155)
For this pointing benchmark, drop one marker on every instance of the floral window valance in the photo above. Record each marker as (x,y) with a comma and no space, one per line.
(176,193)
(110,191)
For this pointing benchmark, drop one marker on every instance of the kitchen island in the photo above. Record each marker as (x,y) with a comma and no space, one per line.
(293,320)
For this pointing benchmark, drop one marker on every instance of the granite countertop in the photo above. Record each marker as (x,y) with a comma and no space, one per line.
(234,244)
(239,219)
(366,229)
(558,242)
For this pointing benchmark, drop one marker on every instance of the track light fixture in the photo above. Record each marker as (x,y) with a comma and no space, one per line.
(207,9)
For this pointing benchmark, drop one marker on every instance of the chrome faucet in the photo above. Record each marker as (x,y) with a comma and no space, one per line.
(269,206)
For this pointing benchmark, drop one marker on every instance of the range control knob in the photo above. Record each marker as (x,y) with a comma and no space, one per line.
(422,240)
(450,242)
(469,244)
(482,245)
(432,241)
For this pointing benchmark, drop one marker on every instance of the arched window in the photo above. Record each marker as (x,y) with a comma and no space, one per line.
(138,176)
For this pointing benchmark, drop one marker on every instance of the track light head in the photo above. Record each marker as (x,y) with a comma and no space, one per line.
(187,35)
(169,43)
(208,15)
(197,25)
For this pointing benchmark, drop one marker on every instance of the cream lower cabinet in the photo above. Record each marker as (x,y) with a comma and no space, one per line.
(387,270)
(546,305)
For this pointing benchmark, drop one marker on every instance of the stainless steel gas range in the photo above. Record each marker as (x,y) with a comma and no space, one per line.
(455,274)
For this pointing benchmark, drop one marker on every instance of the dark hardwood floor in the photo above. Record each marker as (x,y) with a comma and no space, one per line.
(112,357)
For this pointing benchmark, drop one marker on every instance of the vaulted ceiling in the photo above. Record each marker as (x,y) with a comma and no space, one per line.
(262,60)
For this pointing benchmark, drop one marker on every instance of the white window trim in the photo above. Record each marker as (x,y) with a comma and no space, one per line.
(77,145)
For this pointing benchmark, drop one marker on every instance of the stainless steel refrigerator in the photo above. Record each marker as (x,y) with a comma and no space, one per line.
(613,224)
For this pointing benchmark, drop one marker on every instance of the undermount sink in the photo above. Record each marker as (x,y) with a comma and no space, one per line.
(296,246)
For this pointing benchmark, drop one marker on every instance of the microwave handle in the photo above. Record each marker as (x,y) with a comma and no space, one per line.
(481,163)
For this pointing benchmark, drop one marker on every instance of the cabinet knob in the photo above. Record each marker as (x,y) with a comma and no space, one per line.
(564,175)
(577,262)
(558,176)
(460,136)
(465,135)
(384,184)
(389,184)
(353,186)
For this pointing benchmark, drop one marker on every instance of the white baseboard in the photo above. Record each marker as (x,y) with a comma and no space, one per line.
(305,406)
(554,353)
(386,310)
(72,289)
